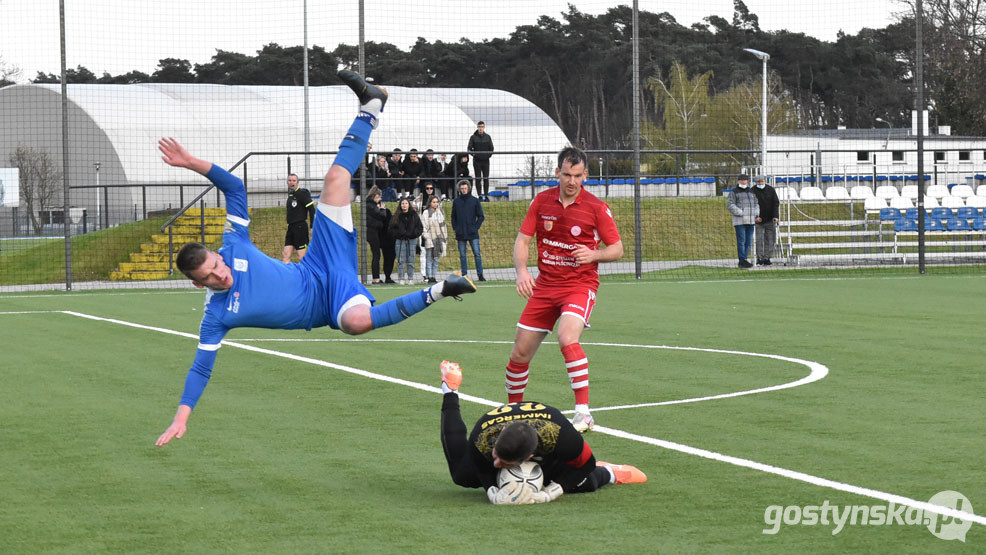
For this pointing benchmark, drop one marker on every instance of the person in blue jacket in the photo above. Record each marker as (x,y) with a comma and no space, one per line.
(467,218)
(247,288)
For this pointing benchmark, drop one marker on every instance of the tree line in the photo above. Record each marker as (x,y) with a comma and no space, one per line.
(577,69)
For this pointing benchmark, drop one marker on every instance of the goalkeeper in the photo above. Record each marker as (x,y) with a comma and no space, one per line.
(511,434)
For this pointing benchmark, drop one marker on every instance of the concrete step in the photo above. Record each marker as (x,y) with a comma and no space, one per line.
(195,221)
(212,211)
(181,239)
(214,229)
(143,266)
(156,248)
(151,257)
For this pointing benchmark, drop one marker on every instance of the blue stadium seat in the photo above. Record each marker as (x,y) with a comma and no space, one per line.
(781,180)
(904,224)
(619,181)
(796,179)
(551,183)
(881,178)
(979,224)
(591,182)
(658,181)
(684,180)
(912,213)
(933,224)
(896,178)
(826,179)
(838,179)
(866,178)
(941,213)
(646,181)
(709,180)
(889,214)
(957,224)
(967,213)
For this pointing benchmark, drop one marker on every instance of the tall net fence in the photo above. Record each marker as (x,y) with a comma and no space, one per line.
(818,99)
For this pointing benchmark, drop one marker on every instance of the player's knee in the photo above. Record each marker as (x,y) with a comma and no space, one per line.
(356,320)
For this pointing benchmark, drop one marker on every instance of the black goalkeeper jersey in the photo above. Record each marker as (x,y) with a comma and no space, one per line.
(562,453)
(300,206)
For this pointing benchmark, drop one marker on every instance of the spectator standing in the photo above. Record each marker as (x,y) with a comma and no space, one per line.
(481,148)
(300,207)
(377,220)
(379,176)
(467,218)
(413,169)
(433,170)
(766,227)
(396,168)
(743,205)
(456,171)
(435,237)
(405,227)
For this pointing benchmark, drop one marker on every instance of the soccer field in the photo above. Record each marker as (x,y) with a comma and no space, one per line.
(733,397)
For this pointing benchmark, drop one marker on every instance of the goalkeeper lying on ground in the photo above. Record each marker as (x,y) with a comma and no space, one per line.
(511,434)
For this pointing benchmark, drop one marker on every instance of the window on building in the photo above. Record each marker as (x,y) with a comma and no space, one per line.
(939,156)
(862,156)
(964,156)
(897,155)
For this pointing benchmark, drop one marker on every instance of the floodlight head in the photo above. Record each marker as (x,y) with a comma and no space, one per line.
(762,55)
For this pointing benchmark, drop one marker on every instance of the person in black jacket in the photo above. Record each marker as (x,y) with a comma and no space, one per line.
(766,222)
(377,220)
(405,227)
(481,147)
(456,171)
(300,207)
(433,170)
(467,218)
(396,167)
(413,168)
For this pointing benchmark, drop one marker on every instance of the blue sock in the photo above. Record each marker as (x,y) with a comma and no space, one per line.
(352,149)
(399,309)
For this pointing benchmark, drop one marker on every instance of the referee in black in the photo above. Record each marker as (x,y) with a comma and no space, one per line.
(300,206)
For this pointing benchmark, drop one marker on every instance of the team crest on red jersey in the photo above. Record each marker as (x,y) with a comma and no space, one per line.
(548,224)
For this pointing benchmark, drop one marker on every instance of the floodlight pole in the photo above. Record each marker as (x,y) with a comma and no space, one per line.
(889,127)
(98,221)
(304,62)
(763,110)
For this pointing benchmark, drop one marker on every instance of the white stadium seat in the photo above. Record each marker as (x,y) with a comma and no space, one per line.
(902,203)
(962,191)
(874,204)
(811,193)
(976,201)
(952,201)
(786,193)
(886,192)
(861,192)
(836,192)
(981,191)
(909,191)
(930,202)
(936,191)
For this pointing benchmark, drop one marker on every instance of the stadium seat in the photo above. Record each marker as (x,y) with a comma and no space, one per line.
(889,214)
(901,202)
(619,181)
(895,178)
(861,192)
(957,224)
(909,191)
(961,191)
(659,181)
(966,213)
(837,192)
(981,191)
(932,224)
(886,192)
(646,181)
(912,213)
(930,202)
(903,224)
(780,179)
(852,178)
(976,201)
(936,191)
(941,213)
(979,224)
(811,193)
(874,204)
(786,193)
(952,201)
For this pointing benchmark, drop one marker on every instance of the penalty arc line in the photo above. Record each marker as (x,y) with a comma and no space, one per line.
(736,461)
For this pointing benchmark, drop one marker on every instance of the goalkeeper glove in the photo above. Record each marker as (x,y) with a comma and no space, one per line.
(550,492)
(510,494)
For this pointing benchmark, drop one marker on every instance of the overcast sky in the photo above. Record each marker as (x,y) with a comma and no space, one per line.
(117,36)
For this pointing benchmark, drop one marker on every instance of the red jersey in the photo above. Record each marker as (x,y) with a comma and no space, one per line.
(560,230)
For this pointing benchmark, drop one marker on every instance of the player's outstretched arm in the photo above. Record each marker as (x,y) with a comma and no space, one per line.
(177,427)
(175,155)
(525,283)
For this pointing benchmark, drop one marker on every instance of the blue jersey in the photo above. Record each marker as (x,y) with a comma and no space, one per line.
(266,292)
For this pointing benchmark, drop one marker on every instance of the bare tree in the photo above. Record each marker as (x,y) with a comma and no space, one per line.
(40,180)
(9,73)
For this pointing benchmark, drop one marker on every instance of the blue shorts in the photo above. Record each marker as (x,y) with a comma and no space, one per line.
(331,257)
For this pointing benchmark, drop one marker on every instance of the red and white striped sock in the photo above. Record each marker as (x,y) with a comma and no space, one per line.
(516,380)
(577,366)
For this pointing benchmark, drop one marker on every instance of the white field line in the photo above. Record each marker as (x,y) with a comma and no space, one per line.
(745,463)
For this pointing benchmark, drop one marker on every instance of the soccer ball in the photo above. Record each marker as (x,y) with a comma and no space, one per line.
(527,473)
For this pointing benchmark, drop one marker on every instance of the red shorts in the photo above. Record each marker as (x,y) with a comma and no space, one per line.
(549,303)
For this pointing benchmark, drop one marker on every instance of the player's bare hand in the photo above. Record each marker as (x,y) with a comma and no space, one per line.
(174,153)
(176,430)
(525,284)
(585,255)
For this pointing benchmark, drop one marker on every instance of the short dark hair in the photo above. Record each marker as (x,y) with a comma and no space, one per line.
(481,122)
(574,157)
(516,442)
(292,175)
(191,257)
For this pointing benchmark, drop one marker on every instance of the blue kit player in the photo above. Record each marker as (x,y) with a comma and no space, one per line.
(247,288)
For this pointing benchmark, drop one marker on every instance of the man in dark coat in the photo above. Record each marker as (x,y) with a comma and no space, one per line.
(481,148)
(467,218)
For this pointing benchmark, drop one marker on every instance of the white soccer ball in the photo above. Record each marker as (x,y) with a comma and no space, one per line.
(527,473)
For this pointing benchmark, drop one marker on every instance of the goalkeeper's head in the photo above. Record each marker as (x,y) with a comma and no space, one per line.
(515,444)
